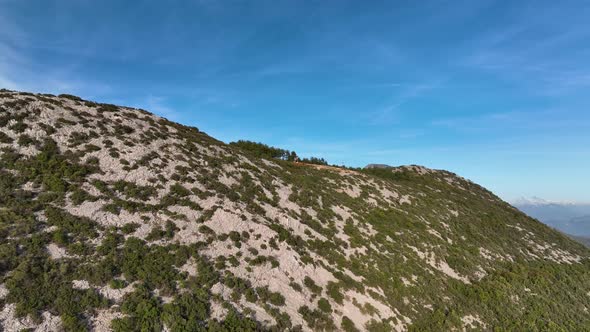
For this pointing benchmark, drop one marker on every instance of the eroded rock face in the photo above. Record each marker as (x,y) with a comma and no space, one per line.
(113,217)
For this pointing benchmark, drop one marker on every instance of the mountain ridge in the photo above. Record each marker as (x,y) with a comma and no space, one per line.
(114,218)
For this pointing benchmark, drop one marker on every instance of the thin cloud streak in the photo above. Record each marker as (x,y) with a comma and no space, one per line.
(392,112)
(548,65)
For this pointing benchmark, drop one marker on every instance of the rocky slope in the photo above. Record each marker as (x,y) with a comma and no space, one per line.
(114,218)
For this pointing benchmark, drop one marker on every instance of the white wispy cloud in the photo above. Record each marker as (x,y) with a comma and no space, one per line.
(20,70)
(25,75)
(533,121)
(392,112)
(539,49)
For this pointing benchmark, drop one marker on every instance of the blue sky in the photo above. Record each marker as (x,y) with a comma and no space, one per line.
(496,91)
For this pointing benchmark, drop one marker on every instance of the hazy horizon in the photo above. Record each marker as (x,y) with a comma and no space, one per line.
(493,91)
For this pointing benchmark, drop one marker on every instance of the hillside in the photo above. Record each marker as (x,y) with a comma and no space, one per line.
(114,218)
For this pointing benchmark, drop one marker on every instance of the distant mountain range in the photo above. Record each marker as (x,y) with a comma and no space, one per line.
(583,240)
(571,218)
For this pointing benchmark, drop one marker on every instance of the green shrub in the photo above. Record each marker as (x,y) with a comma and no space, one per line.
(316,319)
(132,190)
(80,196)
(309,283)
(154,265)
(324,305)
(178,190)
(206,230)
(78,226)
(38,284)
(251,295)
(188,312)
(70,97)
(5,138)
(143,312)
(348,325)
(296,286)
(129,228)
(25,140)
(266,296)
(117,283)
(334,292)
(18,127)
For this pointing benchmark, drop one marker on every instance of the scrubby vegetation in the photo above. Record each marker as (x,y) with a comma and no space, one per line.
(113,216)
(261,150)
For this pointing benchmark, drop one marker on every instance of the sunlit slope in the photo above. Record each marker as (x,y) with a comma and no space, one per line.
(114,218)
